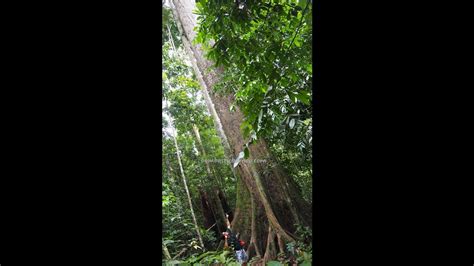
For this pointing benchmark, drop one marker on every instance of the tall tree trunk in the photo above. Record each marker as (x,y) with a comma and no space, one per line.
(277,201)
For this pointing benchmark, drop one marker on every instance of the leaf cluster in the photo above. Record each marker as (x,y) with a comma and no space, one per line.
(265,49)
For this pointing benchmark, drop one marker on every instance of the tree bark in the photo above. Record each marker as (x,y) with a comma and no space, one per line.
(276,197)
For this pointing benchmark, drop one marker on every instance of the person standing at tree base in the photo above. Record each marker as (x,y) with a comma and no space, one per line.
(235,243)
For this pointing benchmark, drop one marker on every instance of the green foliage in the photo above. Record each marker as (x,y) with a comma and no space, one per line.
(297,164)
(265,47)
(305,234)
(303,248)
(300,251)
(210,239)
(177,224)
(211,257)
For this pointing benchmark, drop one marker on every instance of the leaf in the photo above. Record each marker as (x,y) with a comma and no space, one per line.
(237,161)
(302,3)
(168,241)
(222,256)
(303,97)
(205,254)
(174,262)
(274,263)
(247,129)
(199,5)
(292,123)
(246,152)
(306,256)
(297,42)
(299,16)
(269,88)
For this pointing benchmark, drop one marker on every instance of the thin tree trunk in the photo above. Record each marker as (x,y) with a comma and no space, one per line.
(213,196)
(187,192)
(204,155)
(185,183)
(166,252)
(171,37)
